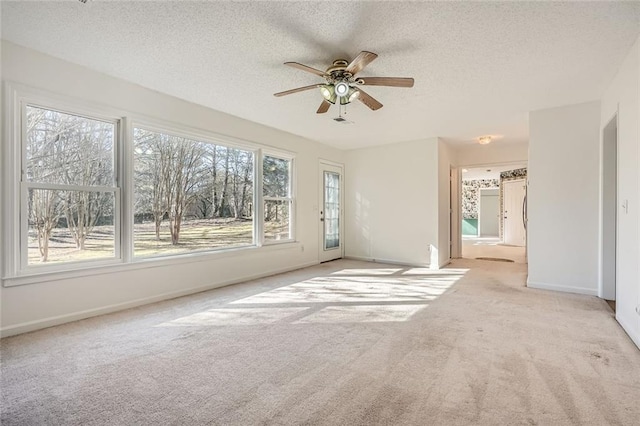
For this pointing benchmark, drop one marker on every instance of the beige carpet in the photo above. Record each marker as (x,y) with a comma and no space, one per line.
(474,247)
(344,343)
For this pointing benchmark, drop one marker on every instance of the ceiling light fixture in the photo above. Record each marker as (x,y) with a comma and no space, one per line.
(342,89)
(483,140)
(351,96)
(328,92)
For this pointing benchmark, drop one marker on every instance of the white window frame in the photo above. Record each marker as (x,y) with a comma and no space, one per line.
(12,272)
(16,186)
(291,198)
(194,135)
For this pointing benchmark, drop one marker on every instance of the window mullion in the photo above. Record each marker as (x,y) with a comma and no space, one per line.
(259,200)
(125,171)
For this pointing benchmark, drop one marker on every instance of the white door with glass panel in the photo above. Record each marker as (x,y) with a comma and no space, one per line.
(331,212)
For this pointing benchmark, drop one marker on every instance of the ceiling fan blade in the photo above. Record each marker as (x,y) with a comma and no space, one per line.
(324,107)
(366,99)
(299,89)
(363,59)
(306,68)
(387,81)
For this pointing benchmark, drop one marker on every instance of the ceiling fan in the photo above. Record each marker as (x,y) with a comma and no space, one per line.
(342,85)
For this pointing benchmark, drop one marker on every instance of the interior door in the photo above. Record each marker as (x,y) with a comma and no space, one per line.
(331,212)
(513,202)
(489,213)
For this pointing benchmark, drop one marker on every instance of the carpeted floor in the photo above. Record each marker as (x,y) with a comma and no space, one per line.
(475,247)
(343,343)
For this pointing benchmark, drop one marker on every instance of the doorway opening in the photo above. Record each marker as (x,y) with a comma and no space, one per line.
(609,210)
(493,213)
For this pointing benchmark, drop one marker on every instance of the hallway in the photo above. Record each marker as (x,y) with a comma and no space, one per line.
(475,247)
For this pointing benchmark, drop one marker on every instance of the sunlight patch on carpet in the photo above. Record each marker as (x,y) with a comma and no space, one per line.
(358,314)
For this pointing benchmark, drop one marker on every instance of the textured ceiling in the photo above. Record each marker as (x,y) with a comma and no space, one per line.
(479,67)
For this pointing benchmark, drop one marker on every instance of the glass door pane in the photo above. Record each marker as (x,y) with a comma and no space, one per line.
(331,210)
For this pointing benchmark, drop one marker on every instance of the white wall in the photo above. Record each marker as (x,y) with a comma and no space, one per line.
(497,152)
(392,203)
(33,306)
(444,203)
(563,198)
(623,96)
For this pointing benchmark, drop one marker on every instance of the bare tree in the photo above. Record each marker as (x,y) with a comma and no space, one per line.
(44,214)
(66,149)
(89,154)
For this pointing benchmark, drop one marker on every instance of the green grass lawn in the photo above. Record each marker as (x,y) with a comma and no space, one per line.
(195,235)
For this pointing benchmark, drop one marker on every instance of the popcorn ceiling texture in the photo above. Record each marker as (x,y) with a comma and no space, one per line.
(477,65)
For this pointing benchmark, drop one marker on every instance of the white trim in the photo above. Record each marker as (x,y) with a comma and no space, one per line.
(631,332)
(64,187)
(85,270)
(258,193)
(499,163)
(323,167)
(331,163)
(21,97)
(562,288)
(126,179)
(444,263)
(11,199)
(61,319)
(290,198)
(615,116)
(199,135)
(391,261)
(456,213)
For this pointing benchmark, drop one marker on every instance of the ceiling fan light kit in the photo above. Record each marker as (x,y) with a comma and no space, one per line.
(340,81)
(328,92)
(342,89)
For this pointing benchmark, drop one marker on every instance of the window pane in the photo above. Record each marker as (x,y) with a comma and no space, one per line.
(68,149)
(275,173)
(190,195)
(276,220)
(68,226)
(331,210)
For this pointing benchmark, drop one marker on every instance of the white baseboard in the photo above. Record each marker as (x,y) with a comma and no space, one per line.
(633,334)
(563,288)
(75,316)
(389,261)
(445,263)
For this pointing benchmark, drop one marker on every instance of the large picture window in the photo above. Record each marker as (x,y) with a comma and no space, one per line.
(90,187)
(68,187)
(190,195)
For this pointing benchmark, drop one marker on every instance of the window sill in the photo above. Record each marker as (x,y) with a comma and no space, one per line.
(38,277)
